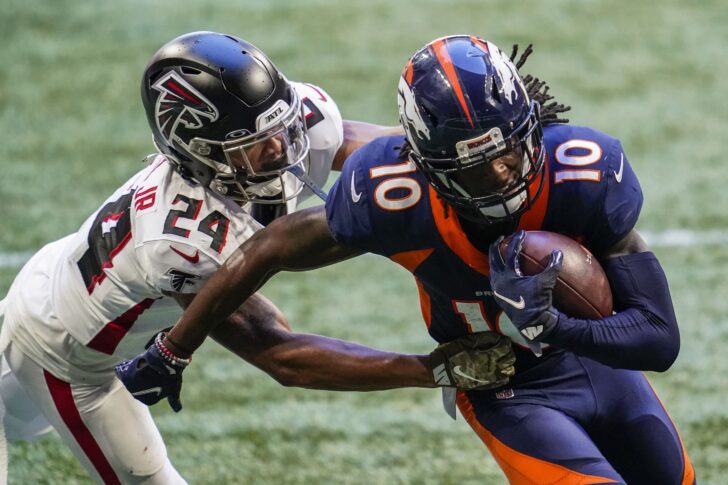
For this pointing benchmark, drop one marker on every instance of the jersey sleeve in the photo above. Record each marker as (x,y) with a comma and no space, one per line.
(621,203)
(348,205)
(325,133)
(323,118)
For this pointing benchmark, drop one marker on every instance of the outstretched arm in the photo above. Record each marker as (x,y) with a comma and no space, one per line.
(296,242)
(259,333)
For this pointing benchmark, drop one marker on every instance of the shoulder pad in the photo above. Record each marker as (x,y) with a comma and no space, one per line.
(323,119)
(596,195)
(378,197)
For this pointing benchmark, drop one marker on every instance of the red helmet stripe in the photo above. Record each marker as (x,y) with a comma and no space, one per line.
(443,57)
(185,94)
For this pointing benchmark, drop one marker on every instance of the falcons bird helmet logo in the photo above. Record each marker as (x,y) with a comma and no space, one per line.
(179,102)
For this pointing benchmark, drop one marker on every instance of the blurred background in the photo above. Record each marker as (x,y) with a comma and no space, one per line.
(651,73)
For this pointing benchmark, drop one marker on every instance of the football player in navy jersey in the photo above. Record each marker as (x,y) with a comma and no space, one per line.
(486,155)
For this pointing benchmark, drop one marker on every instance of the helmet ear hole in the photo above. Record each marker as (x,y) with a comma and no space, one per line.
(427,111)
(433,118)
(152,77)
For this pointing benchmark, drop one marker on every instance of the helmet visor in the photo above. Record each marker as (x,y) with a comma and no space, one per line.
(254,165)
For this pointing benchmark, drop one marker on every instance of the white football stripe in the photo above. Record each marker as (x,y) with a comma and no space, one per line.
(671,238)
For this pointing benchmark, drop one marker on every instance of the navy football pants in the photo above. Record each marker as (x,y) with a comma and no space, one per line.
(572,420)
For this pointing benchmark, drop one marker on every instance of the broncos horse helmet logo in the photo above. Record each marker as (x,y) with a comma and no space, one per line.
(410,114)
(180,103)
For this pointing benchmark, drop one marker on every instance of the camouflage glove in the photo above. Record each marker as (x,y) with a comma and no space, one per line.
(481,360)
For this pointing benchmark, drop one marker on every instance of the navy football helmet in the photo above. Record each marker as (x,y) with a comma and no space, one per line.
(463,105)
(223,114)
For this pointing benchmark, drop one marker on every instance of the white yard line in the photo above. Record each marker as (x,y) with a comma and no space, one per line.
(685,237)
(671,238)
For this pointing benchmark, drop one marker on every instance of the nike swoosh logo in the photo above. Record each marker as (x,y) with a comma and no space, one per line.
(194,259)
(151,390)
(518,305)
(354,195)
(618,174)
(459,371)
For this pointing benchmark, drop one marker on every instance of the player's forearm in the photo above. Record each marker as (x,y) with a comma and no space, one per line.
(643,336)
(296,242)
(260,334)
(317,362)
(220,297)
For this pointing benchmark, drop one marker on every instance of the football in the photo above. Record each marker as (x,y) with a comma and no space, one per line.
(582,289)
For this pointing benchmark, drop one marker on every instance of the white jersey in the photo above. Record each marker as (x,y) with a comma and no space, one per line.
(86,301)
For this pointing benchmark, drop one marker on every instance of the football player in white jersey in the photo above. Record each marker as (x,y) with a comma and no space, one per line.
(230,130)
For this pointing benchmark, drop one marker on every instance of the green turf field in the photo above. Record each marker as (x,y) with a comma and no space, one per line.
(652,73)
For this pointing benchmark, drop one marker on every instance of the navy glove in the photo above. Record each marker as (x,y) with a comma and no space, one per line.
(153,375)
(527,300)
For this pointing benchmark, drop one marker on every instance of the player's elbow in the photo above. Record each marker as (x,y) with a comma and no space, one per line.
(662,352)
(665,355)
(666,343)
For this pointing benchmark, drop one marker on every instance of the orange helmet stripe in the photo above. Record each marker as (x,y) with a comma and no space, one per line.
(480,42)
(408,73)
(440,50)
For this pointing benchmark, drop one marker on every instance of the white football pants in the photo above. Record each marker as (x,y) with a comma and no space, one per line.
(111,433)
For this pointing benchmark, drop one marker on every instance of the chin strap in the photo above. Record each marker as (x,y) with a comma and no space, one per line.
(301,174)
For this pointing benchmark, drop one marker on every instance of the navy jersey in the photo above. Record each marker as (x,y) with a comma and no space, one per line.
(382,204)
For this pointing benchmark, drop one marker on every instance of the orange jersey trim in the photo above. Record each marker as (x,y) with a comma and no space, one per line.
(454,236)
(411,260)
(532,219)
(440,50)
(425,306)
(519,468)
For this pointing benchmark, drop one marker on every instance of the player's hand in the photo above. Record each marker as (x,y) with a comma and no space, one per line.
(152,376)
(481,360)
(527,300)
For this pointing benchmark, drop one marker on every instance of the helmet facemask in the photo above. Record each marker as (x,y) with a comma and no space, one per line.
(459,180)
(242,168)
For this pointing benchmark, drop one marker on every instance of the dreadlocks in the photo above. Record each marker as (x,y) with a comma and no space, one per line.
(539,91)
